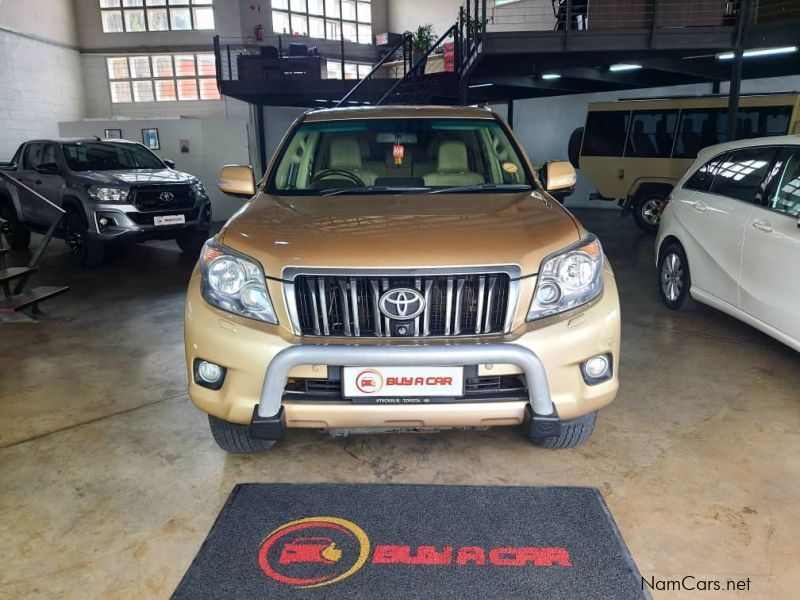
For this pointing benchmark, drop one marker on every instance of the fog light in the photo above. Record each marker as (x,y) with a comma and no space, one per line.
(103,221)
(597,369)
(208,374)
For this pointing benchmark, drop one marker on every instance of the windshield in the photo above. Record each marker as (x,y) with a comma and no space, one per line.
(109,156)
(398,155)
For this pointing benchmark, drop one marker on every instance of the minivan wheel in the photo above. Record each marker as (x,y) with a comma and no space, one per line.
(17,235)
(674,279)
(647,212)
(85,250)
(236,438)
(574,433)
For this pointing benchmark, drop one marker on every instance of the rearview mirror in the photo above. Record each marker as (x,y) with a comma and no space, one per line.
(237,180)
(559,175)
(169,163)
(48,168)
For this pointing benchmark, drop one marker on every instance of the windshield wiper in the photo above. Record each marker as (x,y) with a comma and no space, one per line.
(371,189)
(481,187)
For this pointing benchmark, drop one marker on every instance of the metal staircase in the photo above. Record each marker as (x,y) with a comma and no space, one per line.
(14,297)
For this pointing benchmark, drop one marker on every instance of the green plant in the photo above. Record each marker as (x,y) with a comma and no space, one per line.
(423,38)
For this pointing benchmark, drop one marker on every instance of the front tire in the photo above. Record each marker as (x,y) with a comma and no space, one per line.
(647,212)
(674,278)
(85,250)
(236,438)
(17,235)
(574,433)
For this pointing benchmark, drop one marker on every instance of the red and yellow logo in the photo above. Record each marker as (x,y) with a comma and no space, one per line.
(314,552)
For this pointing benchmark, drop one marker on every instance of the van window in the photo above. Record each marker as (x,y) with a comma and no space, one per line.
(605,133)
(763,121)
(652,134)
(741,173)
(700,128)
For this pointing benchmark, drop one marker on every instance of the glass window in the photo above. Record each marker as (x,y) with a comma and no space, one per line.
(299,24)
(742,172)
(165,90)
(605,133)
(332,8)
(280,22)
(785,197)
(316,27)
(364,12)
(162,66)
(652,134)
(334,69)
(140,67)
(121,91)
(699,129)
(349,10)
(33,156)
(156,15)
(208,89)
(316,7)
(187,89)
(118,68)
(333,30)
(109,156)
(364,34)
(349,31)
(321,157)
(298,6)
(184,65)
(702,179)
(206,65)
(163,77)
(143,91)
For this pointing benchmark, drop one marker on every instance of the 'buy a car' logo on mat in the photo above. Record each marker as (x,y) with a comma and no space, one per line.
(318,551)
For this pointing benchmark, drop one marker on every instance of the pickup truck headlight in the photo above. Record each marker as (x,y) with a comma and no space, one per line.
(108,194)
(198,189)
(235,283)
(568,279)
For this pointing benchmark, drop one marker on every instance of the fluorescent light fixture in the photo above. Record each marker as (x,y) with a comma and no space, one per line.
(624,67)
(551,76)
(760,52)
(321,100)
(480,85)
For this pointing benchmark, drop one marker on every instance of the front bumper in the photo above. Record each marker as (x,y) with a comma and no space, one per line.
(129,223)
(259,357)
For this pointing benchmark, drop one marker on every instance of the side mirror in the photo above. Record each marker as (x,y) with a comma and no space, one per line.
(237,180)
(169,163)
(48,168)
(559,175)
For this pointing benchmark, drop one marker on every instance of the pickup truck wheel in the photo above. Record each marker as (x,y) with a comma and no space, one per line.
(574,433)
(85,250)
(17,235)
(236,438)
(647,212)
(191,243)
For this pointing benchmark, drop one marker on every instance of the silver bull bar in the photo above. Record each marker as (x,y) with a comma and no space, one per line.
(269,406)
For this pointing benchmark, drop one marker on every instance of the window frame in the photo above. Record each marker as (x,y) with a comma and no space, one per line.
(154,79)
(784,153)
(337,20)
(145,8)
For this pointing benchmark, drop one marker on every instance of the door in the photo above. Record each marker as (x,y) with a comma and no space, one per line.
(37,174)
(770,283)
(716,216)
(31,155)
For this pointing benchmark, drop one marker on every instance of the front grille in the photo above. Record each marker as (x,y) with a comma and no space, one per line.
(455,305)
(150,197)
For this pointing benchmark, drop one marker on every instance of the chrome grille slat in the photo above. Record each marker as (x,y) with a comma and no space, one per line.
(346,304)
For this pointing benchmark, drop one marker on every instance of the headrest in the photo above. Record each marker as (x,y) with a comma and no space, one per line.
(345,154)
(452,157)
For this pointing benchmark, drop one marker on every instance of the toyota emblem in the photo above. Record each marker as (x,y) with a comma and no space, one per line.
(166,196)
(402,304)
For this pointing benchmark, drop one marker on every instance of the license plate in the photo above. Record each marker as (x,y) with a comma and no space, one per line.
(402,382)
(170,220)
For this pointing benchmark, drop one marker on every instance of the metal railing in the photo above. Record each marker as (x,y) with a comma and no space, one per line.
(51,230)
(646,14)
(401,49)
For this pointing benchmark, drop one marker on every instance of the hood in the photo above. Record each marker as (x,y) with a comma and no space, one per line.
(137,177)
(400,231)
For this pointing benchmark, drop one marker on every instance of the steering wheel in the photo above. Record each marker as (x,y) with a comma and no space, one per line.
(352,177)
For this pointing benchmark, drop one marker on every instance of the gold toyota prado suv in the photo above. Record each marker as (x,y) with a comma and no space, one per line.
(401,269)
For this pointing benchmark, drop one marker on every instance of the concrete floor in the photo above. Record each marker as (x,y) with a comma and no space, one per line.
(109,479)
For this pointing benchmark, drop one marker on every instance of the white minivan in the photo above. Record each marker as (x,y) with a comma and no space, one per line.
(730,236)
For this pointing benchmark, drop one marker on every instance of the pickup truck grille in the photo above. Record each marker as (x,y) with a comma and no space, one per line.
(455,305)
(148,198)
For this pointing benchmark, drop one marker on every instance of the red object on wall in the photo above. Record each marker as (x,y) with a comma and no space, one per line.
(449,57)
(259,32)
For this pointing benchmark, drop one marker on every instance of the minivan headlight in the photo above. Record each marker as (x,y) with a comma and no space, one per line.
(235,283)
(568,279)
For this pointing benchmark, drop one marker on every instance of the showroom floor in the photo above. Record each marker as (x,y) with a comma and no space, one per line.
(109,479)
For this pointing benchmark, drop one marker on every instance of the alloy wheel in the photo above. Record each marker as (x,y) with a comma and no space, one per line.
(672,277)
(651,211)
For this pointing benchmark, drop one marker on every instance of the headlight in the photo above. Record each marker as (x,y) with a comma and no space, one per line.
(569,279)
(198,189)
(108,194)
(235,283)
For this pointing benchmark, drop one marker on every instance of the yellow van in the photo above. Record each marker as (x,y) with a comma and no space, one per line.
(636,150)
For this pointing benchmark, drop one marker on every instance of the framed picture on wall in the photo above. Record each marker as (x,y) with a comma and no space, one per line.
(113,134)
(150,139)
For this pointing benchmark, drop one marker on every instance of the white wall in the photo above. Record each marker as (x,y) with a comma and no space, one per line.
(545,124)
(407,15)
(525,15)
(40,73)
(212,144)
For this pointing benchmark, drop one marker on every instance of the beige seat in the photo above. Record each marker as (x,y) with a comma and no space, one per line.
(345,155)
(452,167)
